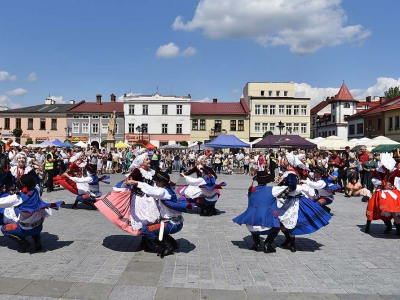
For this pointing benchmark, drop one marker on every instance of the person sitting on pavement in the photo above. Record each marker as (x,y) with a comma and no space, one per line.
(353,187)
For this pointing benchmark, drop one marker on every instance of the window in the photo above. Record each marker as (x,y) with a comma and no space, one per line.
(164,128)
(7,123)
(195,123)
(272,127)
(179,109)
(257,110)
(165,110)
(334,118)
(272,110)
(285,93)
(18,123)
(333,132)
(396,122)
(202,124)
(281,110)
(95,117)
(104,128)
(289,127)
(304,110)
(131,128)
(241,125)
(333,105)
(265,109)
(352,129)
(145,127)
(53,124)
(95,128)
(75,127)
(105,116)
(390,123)
(262,93)
(313,120)
(278,93)
(347,105)
(330,133)
(42,124)
(85,127)
(217,125)
(270,93)
(379,124)
(30,124)
(145,110)
(178,128)
(303,127)
(296,109)
(360,128)
(264,127)
(131,109)
(116,127)
(76,117)
(288,110)
(233,125)
(85,117)
(296,128)
(257,127)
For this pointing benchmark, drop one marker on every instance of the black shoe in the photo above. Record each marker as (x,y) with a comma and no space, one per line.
(75,206)
(269,249)
(388,227)
(327,209)
(397,229)
(367,226)
(293,244)
(256,240)
(287,240)
(23,243)
(144,244)
(173,242)
(38,242)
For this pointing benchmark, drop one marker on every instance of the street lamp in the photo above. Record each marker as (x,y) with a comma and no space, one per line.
(67,131)
(280,126)
(141,129)
(199,143)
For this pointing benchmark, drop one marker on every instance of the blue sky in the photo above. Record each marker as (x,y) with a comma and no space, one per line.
(210,49)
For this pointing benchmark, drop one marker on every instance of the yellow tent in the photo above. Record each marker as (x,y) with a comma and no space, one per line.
(120,144)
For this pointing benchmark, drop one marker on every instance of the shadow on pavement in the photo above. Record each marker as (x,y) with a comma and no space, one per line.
(302,244)
(185,246)
(123,243)
(80,206)
(376,230)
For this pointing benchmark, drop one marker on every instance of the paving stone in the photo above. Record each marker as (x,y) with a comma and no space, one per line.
(170,293)
(13,286)
(122,292)
(46,288)
(89,291)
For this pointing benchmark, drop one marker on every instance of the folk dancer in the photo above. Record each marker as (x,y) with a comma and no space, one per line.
(22,214)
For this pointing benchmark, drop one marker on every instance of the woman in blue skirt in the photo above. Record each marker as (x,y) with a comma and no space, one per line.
(298,215)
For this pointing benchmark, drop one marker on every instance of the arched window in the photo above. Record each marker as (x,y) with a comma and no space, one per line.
(347,105)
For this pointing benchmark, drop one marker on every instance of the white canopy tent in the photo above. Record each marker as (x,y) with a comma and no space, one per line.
(81,144)
(334,142)
(379,140)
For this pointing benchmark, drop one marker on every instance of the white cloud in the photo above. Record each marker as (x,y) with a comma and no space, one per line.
(16,92)
(5,76)
(317,95)
(121,98)
(206,99)
(303,25)
(6,101)
(58,99)
(172,51)
(235,91)
(32,77)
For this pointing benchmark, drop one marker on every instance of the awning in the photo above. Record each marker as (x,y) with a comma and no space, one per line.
(385,148)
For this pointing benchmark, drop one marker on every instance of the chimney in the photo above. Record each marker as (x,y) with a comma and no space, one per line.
(368,98)
(53,101)
(98,98)
(215,100)
(112,98)
(125,95)
(48,101)
(189,96)
(333,97)
(382,99)
(327,98)
(71,101)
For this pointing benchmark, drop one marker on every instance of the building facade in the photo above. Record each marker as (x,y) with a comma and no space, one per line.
(88,121)
(38,122)
(163,120)
(208,120)
(273,103)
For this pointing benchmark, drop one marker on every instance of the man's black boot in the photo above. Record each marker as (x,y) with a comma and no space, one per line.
(22,242)
(38,242)
(388,227)
(269,241)
(287,240)
(75,206)
(173,242)
(145,245)
(397,229)
(367,226)
(257,242)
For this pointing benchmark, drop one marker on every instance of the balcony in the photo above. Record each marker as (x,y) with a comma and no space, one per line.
(214,133)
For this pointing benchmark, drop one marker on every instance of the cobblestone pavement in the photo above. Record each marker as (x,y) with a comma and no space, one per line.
(87,257)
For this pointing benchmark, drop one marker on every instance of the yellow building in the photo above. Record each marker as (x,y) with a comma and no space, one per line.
(208,120)
(391,112)
(271,103)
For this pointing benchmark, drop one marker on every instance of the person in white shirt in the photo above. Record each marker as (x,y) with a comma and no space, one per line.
(240,162)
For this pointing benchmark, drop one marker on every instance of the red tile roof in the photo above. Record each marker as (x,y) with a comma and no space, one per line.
(93,107)
(385,106)
(344,94)
(319,106)
(222,108)
(370,104)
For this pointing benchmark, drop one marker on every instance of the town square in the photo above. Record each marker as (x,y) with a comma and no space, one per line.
(199,149)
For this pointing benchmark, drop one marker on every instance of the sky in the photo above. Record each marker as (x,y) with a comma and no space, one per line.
(73,50)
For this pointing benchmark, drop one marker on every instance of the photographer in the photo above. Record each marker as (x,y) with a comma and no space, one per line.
(51,165)
(331,176)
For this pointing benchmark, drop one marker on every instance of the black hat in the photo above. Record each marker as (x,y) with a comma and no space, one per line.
(90,169)
(319,169)
(161,177)
(207,169)
(27,181)
(262,177)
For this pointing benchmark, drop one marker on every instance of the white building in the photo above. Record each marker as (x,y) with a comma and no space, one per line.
(165,119)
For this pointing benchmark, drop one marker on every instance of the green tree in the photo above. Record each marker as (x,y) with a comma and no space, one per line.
(17,132)
(267,133)
(392,92)
(103,143)
(29,142)
(184,143)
